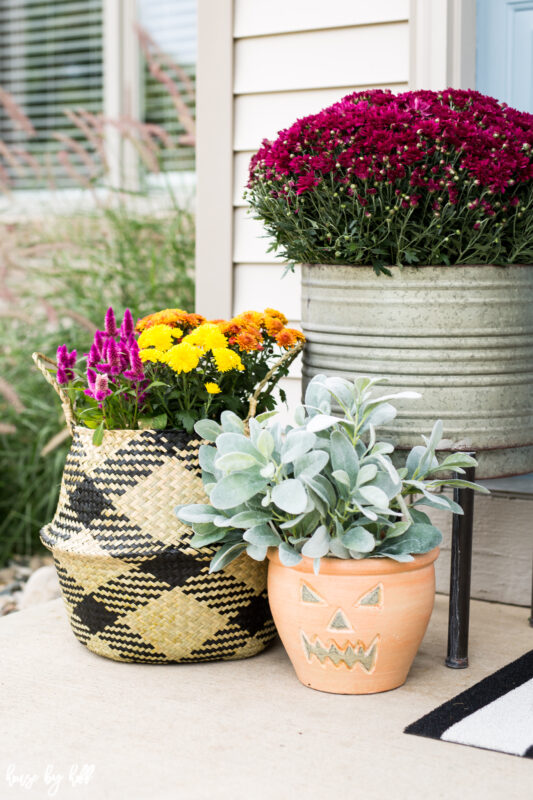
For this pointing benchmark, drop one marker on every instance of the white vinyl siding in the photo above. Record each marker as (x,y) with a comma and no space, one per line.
(305,60)
(289,62)
(303,15)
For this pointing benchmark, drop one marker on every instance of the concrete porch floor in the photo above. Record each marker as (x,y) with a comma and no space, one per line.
(243,729)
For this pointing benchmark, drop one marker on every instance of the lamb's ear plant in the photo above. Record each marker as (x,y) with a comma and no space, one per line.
(322,486)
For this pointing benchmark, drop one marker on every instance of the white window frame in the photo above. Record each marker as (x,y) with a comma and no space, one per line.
(121,90)
(442,44)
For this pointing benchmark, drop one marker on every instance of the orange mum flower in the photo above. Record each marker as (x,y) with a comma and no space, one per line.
(253,329)
(248,341)
(175,317)
(271,312)
(231,328)
(253,317)
(288,337)
(273,326)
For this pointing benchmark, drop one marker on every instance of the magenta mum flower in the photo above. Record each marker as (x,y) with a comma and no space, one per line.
(306,182)
(377,168)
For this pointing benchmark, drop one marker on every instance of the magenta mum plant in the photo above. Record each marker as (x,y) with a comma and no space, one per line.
(417,178)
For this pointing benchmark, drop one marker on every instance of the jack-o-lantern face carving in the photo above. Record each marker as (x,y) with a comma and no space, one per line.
(333,638)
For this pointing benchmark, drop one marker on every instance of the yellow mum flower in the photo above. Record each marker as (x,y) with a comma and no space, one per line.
(207,336)
(226,359)
(152,354)
(212,388)
(183,357)
(159,336)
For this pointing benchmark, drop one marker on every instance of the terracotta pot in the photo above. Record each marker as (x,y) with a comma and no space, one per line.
(355,627)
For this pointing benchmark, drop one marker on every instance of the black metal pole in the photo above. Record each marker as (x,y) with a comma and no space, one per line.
(531,617)
(461,568)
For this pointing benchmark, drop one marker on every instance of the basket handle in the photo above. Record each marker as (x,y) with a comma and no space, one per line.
(290,355)
(42,363)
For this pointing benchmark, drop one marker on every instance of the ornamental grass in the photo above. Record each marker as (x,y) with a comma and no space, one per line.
(380,179)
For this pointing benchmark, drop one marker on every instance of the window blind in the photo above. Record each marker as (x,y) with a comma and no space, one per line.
(172,26)
(50,59)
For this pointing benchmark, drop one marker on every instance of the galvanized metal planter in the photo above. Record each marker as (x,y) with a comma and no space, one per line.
(462,336)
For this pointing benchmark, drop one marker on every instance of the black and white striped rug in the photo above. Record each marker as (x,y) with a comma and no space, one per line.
(495,714)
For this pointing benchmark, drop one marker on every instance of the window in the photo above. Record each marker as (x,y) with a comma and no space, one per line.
(50,60)
(171,40)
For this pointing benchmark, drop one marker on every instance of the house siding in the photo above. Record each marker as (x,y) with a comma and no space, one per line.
(261,66)
(294,61)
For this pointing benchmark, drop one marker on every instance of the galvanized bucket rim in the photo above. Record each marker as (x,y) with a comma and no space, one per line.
(414,268)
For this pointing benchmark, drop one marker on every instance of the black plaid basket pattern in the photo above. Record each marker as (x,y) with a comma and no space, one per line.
(134,588)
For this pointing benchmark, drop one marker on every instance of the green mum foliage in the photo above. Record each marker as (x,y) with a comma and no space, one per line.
(323,485)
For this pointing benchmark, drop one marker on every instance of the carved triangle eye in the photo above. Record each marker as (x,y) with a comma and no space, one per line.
(372,598)
(308,595)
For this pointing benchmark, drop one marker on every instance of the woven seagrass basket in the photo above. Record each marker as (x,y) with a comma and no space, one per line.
(134,588)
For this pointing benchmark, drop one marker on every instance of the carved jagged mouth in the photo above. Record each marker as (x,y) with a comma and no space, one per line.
(349,655)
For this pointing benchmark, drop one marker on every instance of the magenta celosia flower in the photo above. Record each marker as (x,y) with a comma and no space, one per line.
(101,388)
(112,360)
(65,364)
(99,339)
(111,355)
(110,323)
(98,387)
(93,356)
(128,325)
(136,368)
(91,380)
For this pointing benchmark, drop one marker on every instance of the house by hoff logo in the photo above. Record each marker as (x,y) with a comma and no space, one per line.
(51,779)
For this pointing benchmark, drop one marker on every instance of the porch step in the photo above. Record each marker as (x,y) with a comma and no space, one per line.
(238,730)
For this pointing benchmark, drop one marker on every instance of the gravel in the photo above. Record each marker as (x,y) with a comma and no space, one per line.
(14,579)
